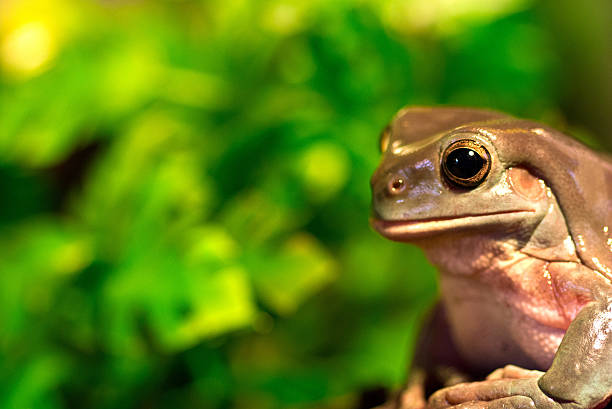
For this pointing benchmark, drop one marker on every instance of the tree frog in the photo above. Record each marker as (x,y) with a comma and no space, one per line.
(517,218)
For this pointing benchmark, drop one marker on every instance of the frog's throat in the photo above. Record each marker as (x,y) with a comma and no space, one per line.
(405,230)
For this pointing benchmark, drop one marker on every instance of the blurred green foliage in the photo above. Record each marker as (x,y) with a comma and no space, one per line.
(185,200)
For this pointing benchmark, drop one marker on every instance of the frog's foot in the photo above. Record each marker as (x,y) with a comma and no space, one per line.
(507,393)
(412,396)
(513,372)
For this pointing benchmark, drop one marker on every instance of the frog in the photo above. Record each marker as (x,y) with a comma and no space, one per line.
(516,216)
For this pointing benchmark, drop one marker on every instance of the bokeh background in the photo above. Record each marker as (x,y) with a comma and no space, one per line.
(184,186)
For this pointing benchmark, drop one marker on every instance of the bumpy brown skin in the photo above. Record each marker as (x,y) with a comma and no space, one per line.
(525,261)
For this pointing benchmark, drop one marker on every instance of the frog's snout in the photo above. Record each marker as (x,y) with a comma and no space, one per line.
(402,192)
(390,184)
(396,185)
(389,189)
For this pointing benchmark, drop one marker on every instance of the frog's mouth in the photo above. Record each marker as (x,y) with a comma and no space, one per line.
(405,230)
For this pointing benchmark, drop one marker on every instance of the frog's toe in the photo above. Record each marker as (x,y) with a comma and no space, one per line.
(412,398)
(470,392)
(513,372)
(511,402)
(494,394)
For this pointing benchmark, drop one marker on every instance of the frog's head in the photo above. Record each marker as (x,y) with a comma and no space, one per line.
(441,173)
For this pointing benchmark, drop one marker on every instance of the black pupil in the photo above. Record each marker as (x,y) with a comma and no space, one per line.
(464,163)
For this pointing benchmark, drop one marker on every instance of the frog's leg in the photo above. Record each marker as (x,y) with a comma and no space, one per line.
(580,376)
(436,364)
(581,372)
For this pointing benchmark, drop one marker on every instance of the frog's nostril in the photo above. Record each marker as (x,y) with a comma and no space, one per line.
(396,185)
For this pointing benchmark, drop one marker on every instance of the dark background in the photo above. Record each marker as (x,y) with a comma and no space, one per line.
(184,186)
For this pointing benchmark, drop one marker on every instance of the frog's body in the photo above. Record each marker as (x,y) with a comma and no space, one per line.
(523,296)
(505,307)
(523,254)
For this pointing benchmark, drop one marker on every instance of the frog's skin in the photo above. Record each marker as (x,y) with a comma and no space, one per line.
(525,260)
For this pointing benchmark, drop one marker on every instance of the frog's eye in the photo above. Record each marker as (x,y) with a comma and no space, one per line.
(384,139)
(466,163)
